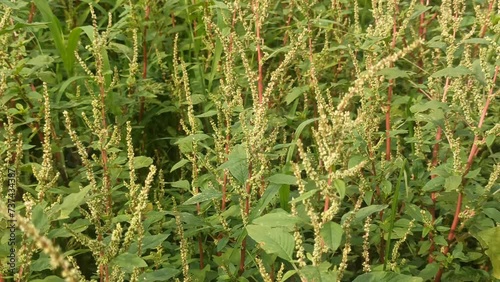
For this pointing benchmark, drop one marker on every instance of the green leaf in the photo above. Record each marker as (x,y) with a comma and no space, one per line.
(207,114)
(489,140)
(452,182)
(206,195)
(429,105)
(264,201)
(54,27)
(184,184)
(163,274)
(40,219)
(378,276)
(452,72)
(420,9)
(128,262)
(149,242)
(492,213)
(277,218)
(319,273)
(65,85)
(332,235)
(237,164)
(363,213)
(295,93)
(490,240)
(434,184)
(478,72)
(339,184)
(142,161)
(297,134)
(72,201)
(273,240)
(51,278)
(284,197)
(304,196)
(179,164)
(392,73)
(280,178)
(40,61)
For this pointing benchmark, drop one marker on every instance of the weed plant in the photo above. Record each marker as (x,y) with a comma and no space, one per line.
(299,140)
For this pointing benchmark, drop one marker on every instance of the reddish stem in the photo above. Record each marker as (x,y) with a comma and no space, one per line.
(30,17)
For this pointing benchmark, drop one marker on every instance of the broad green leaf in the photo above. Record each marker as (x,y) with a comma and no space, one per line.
(420,9)
(65,85)
(142,161)
(429,105)
(162,274)
(40,219)
(489,140)
(434,184)
(41,263)
(264,201)
(355,160)
(297,134)
(378,276)
(206,195)
(71,46)
(55,29)
(128,262)
(490,240)
(280,178)
(78,226)
(492,213)
(277,218)
(179,164)
(72,201)
(332,235)
(51,278)
(207,114)
(452,182)
(273,240)
(184,184)
(319,273)
(237,164)
(364,212)
(295,93)
(40,61)
(284,197)
(478,72)
(429,271)
(392,73)
(149,242)
(304,196)
(452,72)
(287,275)
(339,185)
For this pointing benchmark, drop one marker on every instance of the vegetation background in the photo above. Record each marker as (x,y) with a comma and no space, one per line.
(249,140)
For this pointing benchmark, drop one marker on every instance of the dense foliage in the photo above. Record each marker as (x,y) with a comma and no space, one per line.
(249,140)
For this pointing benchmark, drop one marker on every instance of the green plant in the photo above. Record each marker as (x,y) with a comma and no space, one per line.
(249,140)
